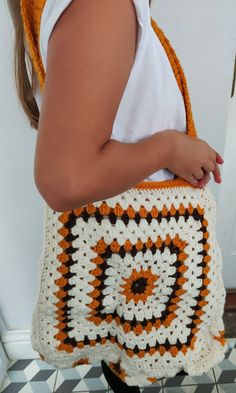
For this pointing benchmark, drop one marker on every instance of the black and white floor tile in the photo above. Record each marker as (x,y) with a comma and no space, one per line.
(36,376)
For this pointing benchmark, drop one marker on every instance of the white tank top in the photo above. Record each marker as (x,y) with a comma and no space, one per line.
(151,101)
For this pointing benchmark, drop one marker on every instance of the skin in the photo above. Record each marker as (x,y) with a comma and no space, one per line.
(193,159)
(216,173)
(202,182)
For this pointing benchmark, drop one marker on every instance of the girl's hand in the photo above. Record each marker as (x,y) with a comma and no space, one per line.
(191,158)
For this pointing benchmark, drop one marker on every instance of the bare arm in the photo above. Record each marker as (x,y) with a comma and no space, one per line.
(119,166)
(90,56)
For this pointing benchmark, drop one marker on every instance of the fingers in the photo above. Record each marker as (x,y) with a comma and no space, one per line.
(202,176)
(206,178)
(201,182)
(216,173)
(209,166)
(219,159)
(216,170)
(192,180)
(199,174)
(212,166)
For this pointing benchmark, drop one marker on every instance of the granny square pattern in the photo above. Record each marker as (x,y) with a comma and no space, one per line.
(135,280)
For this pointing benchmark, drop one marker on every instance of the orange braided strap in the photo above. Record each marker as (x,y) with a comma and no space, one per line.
(31,13)
(179,75)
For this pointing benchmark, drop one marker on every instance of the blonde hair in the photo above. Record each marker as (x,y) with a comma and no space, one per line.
(26,88)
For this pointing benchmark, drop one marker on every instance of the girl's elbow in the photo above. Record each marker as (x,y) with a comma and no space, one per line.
(60,196)
(63,202)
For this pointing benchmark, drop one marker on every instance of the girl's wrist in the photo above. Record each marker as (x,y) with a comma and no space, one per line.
(162,148)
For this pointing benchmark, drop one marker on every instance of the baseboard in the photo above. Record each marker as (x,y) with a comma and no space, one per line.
(17,344)
(3,325)
(230,302)
(4,361)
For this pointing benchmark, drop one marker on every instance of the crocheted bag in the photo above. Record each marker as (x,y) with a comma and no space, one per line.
(136,279)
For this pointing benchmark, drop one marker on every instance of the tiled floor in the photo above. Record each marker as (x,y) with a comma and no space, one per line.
(36,376)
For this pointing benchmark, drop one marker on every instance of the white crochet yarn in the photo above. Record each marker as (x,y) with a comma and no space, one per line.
(207,351)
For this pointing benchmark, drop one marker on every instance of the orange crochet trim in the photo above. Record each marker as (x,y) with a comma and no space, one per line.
(31,11)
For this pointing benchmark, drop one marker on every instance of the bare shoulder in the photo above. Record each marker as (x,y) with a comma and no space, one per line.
(90,56)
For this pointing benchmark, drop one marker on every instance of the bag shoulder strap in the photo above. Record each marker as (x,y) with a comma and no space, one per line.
(179,75)
(31,13)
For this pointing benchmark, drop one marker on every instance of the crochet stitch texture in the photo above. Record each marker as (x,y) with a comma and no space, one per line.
(136,279)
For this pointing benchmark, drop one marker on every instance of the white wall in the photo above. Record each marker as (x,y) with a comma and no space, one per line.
(226,207)
(20,204)
(208,64)
(203,33)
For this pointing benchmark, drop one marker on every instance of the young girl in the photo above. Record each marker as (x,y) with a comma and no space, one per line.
(111,113)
